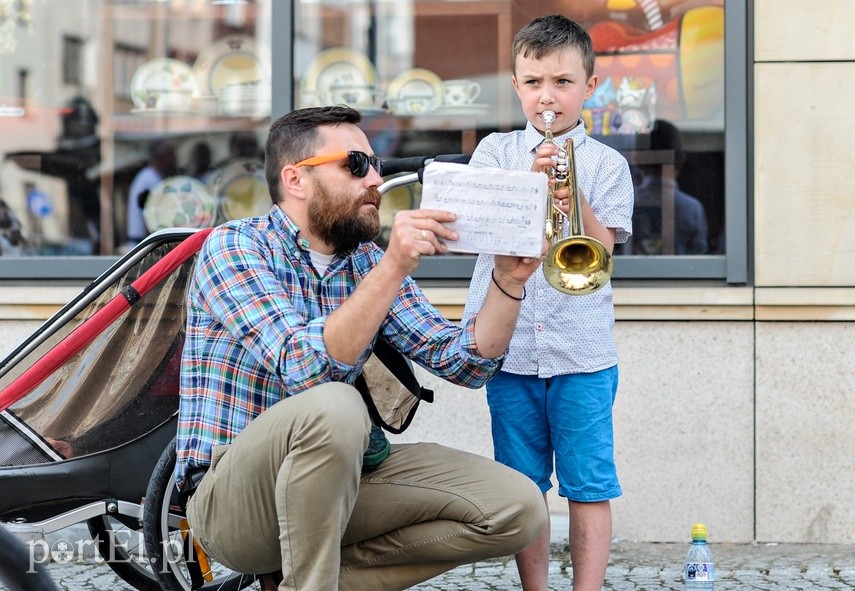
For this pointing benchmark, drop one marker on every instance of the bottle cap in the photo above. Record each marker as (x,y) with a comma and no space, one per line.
(699,532)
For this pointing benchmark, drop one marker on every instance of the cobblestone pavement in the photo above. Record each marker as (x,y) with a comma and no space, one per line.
(632,566)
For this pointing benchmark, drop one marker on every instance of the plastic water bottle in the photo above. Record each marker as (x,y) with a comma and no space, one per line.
(700,571)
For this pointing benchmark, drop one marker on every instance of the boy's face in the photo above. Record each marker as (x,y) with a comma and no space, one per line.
(557,82)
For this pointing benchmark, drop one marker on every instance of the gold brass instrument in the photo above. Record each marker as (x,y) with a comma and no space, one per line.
(575,264)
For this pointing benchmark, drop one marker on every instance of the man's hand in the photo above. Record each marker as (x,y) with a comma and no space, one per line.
(416,233)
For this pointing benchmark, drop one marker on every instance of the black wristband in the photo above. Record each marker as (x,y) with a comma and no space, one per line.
(493,275)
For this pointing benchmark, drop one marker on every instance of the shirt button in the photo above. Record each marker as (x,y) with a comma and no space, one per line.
(539,327)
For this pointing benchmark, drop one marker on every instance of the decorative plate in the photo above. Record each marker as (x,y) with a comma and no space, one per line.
(335,66)
(233,59)
(162,78)
(179,202)
(417,83)
(241,189)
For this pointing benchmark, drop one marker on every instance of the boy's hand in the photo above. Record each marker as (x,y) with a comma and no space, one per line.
(544,157)
(517,270)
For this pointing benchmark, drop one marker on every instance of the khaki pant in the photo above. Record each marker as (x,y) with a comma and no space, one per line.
(288,493)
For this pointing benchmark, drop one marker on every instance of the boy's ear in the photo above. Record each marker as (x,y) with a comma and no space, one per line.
(593,82)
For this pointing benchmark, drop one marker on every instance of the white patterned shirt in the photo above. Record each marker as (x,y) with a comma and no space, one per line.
(557,333)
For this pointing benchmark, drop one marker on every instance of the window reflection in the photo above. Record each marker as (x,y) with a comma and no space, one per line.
(84,99)
(118,117)
(434,77)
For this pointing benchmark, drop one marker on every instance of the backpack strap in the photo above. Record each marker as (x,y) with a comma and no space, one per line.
(399,366)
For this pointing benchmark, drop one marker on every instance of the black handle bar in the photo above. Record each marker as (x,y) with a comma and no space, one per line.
(418,163)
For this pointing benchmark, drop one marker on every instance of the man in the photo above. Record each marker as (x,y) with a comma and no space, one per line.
(283,311)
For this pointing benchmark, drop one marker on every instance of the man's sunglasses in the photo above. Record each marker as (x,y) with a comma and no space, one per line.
(358,162)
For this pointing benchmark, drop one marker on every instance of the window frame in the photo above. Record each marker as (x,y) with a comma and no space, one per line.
(732,267)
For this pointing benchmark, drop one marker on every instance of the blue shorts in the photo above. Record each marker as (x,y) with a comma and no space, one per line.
(568,418)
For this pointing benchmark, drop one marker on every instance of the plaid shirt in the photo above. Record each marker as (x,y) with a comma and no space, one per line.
(255,318)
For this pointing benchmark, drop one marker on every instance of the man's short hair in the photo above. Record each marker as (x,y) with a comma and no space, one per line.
(294,137)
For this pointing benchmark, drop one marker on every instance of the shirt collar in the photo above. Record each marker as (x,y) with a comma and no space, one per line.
(288,227)
(533,138)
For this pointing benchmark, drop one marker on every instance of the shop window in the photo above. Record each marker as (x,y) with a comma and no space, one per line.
(125,117)
(433,77)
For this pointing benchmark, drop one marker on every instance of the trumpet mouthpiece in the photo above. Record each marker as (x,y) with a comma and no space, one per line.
(548,116)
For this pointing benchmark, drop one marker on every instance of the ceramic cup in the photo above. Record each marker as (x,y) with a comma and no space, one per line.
(458,93)
(355,95)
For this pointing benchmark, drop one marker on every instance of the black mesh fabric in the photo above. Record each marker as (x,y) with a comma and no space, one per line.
(19,448)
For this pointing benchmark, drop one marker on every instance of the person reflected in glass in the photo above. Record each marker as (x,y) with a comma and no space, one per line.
(244,144)
(551,403)
(162,163)
(199,165)
(690,219)
(283,311)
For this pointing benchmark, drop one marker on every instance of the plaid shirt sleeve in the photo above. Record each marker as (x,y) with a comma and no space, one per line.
(420,331)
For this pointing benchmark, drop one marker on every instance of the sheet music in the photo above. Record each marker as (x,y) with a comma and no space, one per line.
(498,211)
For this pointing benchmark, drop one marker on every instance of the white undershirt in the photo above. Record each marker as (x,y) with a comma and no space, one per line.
(320,261)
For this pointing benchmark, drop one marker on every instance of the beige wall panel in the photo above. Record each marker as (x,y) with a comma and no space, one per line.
(804,30)
(804,203)
(805,439)
(458,417)
(683,429)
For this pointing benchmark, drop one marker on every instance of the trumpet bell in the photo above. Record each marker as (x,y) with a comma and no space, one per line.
(578,265)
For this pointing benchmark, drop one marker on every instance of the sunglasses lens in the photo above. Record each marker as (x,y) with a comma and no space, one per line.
(360,161)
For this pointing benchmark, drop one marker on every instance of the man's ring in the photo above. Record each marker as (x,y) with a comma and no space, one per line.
(424,235)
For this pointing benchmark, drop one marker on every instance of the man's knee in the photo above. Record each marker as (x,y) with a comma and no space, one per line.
(331,414)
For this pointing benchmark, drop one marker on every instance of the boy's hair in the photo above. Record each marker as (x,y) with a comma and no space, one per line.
(550,33)
(294,137)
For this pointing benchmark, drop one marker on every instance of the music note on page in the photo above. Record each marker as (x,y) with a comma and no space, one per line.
(498,211)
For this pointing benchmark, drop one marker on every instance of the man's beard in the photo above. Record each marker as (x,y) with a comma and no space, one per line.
(335,218)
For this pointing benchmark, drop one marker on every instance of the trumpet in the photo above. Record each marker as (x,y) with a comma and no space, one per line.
(575,264)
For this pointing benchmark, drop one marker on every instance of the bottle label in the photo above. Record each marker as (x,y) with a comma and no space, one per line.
(700,571)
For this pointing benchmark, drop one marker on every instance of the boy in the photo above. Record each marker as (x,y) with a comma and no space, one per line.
(554,395)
